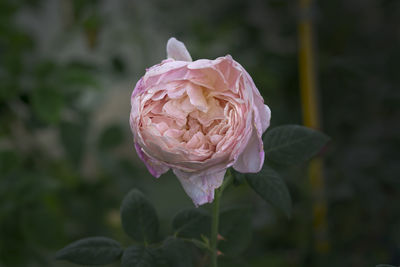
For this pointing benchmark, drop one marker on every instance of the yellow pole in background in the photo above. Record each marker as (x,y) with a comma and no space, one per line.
(311,119)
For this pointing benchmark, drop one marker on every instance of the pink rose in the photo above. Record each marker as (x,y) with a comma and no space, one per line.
(198,118)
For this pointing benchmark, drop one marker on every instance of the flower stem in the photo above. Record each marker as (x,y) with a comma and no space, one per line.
(214,228)
(215,217)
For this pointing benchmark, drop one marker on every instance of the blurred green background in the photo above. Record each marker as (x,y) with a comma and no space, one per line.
(67,69)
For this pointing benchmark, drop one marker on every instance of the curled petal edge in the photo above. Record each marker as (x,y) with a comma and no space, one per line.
(154,166)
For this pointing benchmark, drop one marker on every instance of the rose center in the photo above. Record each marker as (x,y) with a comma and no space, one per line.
(183,122)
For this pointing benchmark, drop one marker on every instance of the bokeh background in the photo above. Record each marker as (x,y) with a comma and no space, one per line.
(67,69)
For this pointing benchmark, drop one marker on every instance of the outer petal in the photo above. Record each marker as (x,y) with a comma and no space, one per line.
(261,111)
(139,88)
(265,117)
(263,114)
(155,167)
(200,186)
(252,158)
(168,70)
(177,50)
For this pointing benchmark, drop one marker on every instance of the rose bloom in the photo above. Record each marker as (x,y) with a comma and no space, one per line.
(198,118)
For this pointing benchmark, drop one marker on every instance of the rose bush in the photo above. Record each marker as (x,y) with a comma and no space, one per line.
(198,118)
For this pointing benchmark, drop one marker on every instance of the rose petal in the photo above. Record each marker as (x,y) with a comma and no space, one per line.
(165,73)
(155,167)
(231,71)
(262,111)
(139,88)
(196,97)
(200,186)
(262,115)
(177,50)
(265,117)
(251,159)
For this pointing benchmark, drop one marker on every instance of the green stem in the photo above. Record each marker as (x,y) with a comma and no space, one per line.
(214,228)
(215,217)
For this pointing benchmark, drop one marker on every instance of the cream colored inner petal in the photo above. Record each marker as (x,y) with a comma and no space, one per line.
(186,117)
(196,97)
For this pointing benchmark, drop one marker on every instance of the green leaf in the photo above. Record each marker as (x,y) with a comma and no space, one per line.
(138,256)
(177,253)
(91,251)
(235,228)
(385,265)
(47,104)
(271,187)
(192,223)
(292,144)
(139,218)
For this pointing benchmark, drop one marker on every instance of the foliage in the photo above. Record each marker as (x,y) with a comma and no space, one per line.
(139,218)
(91,251)
(140,222)
(292,144)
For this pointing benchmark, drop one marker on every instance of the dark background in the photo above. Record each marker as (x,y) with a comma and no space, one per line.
(67,69)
